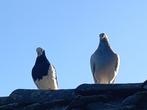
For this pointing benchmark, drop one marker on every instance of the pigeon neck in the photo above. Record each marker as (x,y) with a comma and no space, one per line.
(104,45)
(41,59)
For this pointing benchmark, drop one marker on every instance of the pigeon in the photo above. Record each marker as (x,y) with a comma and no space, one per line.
(43,72)
(104,62)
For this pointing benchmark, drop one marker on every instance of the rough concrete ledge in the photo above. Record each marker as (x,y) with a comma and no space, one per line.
(85,97)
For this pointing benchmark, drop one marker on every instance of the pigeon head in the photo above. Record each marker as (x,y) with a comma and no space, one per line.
(40,51)
(103,37)
(104,41)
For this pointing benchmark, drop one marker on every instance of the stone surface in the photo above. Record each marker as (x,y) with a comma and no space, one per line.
(84,97)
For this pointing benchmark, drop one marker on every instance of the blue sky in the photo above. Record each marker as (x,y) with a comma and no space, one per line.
(67,30)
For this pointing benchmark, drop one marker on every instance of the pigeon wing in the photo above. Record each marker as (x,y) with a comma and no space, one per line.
(117,63)
(93,68)
(55,75)
(116,66)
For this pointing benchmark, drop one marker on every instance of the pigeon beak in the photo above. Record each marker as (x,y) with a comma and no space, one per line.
(39,53)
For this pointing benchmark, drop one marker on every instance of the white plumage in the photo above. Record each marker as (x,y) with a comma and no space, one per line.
(104,62)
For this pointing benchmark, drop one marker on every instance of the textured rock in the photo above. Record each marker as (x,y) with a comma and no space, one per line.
(84,97)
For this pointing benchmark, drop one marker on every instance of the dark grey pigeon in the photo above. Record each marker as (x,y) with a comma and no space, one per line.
(104,62)
(44,73)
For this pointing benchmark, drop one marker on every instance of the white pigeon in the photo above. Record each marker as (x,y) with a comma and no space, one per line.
(104,62)
(44,73)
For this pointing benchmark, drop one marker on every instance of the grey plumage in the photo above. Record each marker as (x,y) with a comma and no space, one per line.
(104,62)
(43,72)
